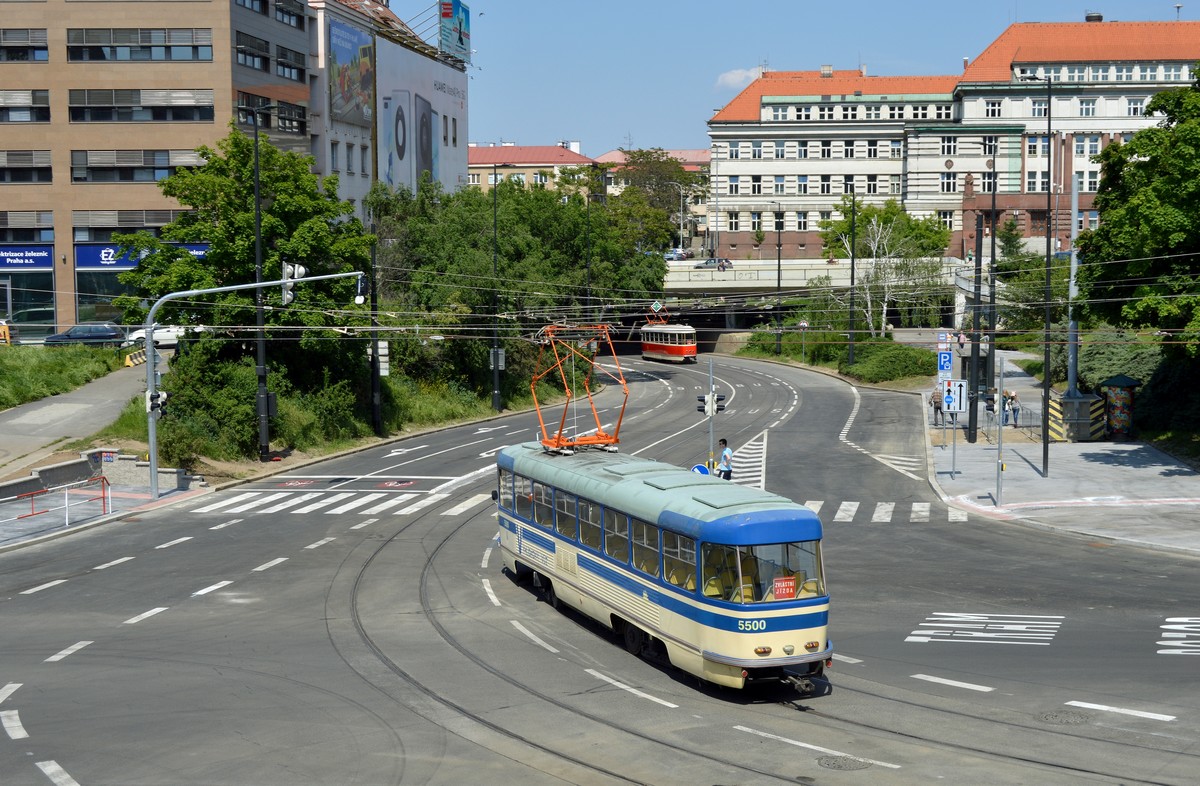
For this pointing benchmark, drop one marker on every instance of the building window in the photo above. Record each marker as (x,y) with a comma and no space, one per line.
(293,118)
(946,218)
(779,179)
(23,45)
(139,44)
(849,112)
(872,148)
(802,221)
(897,148)
(335,155)
(1087,107)
(24,106)
(1148,73)
(1087,145)
(253,52)
(258,6)
(848,148)
(949,146)
(1088,219)
(1134,107)
(140,106)
(802,150)
(873,111)
(780,150)
(290,12)
(826,148)
(921,111)
(987,182)
(778,221)
(756,150)
(826,184)
(945,112)
(1075,73)
(1039,107)
(349,159)
(825,215)
(1037,222)
(1037,181)
(895,113)
(1037,146)
(804,113)
(801,184)
(1098,73)
(473,179)
(1124,73)
(735,150)
(25,166)
(847,184)
(825,112)
(289,64)
(755,221)
(778,113)
(735,185)
(894,184)
(731,222)
(991,145)
(991,108)
(756,185)
(872,184)
(1093,180)
(541,178)
(129,166)
(949,183)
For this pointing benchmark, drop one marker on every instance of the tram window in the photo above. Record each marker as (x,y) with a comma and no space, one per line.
(679,560)
(719,576)
(590,524)
(645,547)
(616,535)
(523,491)
(505,484)
(543,506)
(783,571)
(564,505)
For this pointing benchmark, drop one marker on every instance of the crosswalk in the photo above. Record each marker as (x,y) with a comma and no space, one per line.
(337,503)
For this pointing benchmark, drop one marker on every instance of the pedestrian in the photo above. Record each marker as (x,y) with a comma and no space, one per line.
(1014,404)
(962,341)
(1005,406)
(725,467)
(935,400)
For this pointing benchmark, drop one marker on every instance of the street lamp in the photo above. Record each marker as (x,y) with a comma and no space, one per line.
(680,187)
(1049,256)
(496,356)
(778,276)
(853,243)
(263,406)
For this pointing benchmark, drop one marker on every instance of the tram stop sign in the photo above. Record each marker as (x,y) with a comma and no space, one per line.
(700,469)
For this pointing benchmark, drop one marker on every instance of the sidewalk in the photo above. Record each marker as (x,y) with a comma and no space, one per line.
(1118,491)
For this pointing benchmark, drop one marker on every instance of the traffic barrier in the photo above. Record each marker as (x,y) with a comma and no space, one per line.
(135,358)
(5,335)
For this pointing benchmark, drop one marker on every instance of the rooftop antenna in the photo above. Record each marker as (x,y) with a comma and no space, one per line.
(1177,7)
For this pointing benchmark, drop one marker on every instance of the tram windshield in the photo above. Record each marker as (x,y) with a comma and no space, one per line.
(764,573)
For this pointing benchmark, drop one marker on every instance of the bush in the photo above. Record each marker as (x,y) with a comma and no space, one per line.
(883,361)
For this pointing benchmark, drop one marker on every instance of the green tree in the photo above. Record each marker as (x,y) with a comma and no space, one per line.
(1139,266)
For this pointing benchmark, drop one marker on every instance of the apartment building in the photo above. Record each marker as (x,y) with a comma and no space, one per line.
(528,165)
(1020,122)
(101,100)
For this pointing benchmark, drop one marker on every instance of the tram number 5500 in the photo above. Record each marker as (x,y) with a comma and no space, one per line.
(748,625)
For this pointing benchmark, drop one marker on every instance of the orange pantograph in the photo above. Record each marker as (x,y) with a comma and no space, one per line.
(573,351)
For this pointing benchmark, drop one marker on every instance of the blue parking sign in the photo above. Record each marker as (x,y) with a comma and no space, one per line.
(945,361)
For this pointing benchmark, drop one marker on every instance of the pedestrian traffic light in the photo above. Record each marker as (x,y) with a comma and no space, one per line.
(156,403)
(720,406)
(703,403)
(363,289)
(290,274)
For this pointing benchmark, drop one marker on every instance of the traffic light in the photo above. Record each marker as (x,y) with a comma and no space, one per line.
(711,404)
(720,406)
(290,274)
(361,292)
(156,403)
(703,403)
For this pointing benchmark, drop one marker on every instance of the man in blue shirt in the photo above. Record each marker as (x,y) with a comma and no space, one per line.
(725,467)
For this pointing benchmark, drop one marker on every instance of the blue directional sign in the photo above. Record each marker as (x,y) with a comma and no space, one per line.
(945,361)
(700,469)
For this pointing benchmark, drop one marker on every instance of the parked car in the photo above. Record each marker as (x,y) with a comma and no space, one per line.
(30,324)
(101,334)
(165,336)
(718,263)
(674,255)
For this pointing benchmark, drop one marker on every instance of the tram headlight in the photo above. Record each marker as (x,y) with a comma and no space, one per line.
(812,646)
(762,651)
(788,649)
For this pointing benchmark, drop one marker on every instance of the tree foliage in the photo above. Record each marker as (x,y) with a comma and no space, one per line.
(1140,264)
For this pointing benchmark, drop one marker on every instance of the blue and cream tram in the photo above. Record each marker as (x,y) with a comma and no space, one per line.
(726,580)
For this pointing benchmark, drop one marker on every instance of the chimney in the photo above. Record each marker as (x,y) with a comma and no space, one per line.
(826,71)
(965,61)
(1093,16)
(862,69)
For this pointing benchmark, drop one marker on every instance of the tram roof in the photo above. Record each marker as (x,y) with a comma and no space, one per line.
(703,507)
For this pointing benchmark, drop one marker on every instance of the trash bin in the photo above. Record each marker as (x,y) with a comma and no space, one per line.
(1118,409)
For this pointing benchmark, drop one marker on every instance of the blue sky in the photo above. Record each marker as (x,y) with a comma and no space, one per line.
(632,73)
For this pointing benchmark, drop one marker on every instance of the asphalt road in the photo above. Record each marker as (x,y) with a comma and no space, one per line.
(349,623)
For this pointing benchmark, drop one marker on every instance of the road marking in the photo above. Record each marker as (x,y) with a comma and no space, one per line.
(254,503)
(487,555)
(953,683)
(381,507)
(632,690)
(287,503)
(320,543)
(429,499)
(145,615)
(57,775)
(846,511)
(816,748)
(968,628)
(487,587)
(364,523)
(212,588)
(533,637)
(1135,713)
(846,658)
(355,503)
(920,511)
(883,512)
(12,724)
(958,515)
(111,564)
(323,502)
(466,505)
(814,505)
(225,524)
(175,542)
(8,690)
(271,564)
(231,501)
(41,587)
(76,647)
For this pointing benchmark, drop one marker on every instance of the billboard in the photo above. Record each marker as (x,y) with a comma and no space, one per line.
(454,30)
(422,119)
(351,74)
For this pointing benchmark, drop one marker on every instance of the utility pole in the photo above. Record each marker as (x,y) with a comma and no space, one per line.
(977,307)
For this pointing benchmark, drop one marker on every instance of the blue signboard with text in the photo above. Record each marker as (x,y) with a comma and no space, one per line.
(103,256)
(26,257)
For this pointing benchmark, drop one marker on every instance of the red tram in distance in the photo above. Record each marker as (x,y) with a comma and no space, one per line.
(673,343)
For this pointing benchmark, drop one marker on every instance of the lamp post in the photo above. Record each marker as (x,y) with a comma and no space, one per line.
(1046,293)
(778,276)
(495,301)
(263,406)
(680,187)
(853,243)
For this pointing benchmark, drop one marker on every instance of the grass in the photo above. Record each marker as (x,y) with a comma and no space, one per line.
(31,373)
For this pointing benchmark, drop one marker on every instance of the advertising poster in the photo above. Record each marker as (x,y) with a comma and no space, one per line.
(351,74)
(422,119)
(454,32)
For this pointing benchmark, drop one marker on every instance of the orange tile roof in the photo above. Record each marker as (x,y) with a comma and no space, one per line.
(690,160)
(1034,43)
(525,155)
(745,106)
